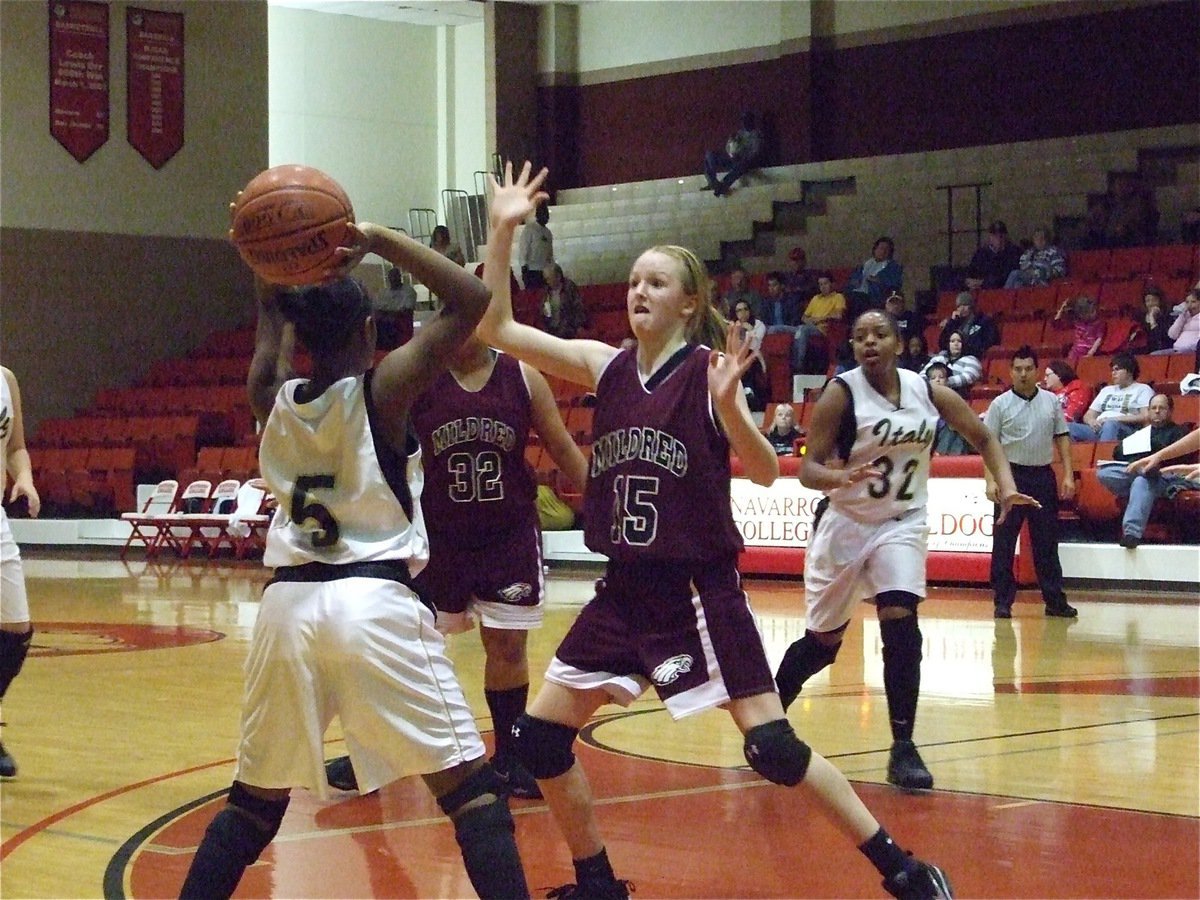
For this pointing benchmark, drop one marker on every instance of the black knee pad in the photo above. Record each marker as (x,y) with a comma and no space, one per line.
(247,824)
(543,747)
(901,638)
(775,753)
(14,646)
(483,780)
(904,599)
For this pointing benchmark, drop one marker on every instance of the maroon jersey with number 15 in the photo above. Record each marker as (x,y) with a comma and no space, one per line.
(477,482)
(658,483)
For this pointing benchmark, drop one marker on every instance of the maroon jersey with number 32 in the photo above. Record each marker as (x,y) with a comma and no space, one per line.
(477,482)
(658,483)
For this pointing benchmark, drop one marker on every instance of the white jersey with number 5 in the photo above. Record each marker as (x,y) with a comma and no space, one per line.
(344,494)
(894,439)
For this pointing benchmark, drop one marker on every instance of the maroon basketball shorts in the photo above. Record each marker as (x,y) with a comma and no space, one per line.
(499,583)
(685,628)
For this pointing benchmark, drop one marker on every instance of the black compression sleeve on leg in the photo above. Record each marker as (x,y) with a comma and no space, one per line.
(232,841)
(901,672)
(489,851)
(14,646)
(506,707)
(804,659)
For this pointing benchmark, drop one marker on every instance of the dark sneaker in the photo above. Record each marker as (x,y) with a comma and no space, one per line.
(1003,612)
(8,765)
(616,889)
(340,774)
(1062,610)
(1130,541)
(906,769)
(518,783)
(921,882)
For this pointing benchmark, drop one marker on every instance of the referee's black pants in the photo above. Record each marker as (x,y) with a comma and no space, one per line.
(1040,484)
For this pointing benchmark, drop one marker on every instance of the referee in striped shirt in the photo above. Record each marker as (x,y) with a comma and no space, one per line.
(1029,423)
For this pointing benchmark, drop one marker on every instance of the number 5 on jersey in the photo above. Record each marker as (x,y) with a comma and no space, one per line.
(635,517)
(326,533)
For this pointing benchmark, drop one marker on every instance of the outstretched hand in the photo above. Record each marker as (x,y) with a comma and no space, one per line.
(725,370)
(513,201)
(1008,501)
(350,254)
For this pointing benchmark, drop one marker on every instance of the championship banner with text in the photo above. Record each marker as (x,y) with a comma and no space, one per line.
(79,76)
(154,73)
(960,516)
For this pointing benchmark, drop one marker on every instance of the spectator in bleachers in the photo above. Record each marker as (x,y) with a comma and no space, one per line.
(877,277)
(536,249)
(946,441)
(441,242)
(964,368)
(739,289)
(1154,323)
(908,320)
(1095,221)
(1184,332)
(780,313)
(1080,313)
(1141,490)
(1132,213)
(1075,396)
(561,306)
(916,353)
(1040,264)
(978,331)
(1119,409)
(822,310)
(393,310)
(743,152)
(800,283)
(995,258)
(783,432)
(754,382)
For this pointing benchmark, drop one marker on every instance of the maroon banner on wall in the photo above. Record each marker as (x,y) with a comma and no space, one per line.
(154,73)
(79,75)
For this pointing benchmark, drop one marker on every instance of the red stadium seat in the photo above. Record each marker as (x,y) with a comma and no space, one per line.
(1129,262)
(1176,261)
(1088,265)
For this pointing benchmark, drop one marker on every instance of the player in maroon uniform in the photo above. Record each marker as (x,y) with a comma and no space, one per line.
(670,610)
(485,558)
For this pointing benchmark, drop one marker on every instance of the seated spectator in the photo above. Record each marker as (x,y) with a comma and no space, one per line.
(440,241)
(801,283)
(743,152)
(1153,323)
(946,441)
(995,258)
(964,368)
(1040,264)
(562,307)
(909,321)
(1141,490)
(393,311)
(1073,394)
(872,281)
(1119,409)
(739,289)
(536,249)
(754,382)
(1132,214)
(978,331)
(1080,314)
(783,433)
(1185,330)
(915,354)
(779,312)
(824,308)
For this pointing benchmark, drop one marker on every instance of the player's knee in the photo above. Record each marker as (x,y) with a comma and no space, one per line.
(543,747)
(480,787)
(247,824)
(775,753)
(901,638)
(897,600)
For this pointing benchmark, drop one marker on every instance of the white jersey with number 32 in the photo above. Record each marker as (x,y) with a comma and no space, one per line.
(336,505)
(896,440)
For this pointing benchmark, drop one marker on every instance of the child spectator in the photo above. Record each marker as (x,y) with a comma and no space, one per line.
(1080,313)
(783,433)
(916,353)
(946,441)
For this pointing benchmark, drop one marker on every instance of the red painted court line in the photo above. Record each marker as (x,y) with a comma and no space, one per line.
(1140,686)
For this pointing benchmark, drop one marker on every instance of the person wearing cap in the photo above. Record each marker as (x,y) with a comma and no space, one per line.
(978,330)
(995,258)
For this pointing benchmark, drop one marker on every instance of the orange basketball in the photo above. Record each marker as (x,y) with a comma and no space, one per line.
(288,221)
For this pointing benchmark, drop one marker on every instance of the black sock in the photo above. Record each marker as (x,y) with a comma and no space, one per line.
(506,707)
(901,673)
(489,851)
(594,868)
(884,854)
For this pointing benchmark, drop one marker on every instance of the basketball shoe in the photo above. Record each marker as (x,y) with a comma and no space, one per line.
(921,881)
(906,769)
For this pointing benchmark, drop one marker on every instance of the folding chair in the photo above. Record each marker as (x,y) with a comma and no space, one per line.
(248,524)
(191,501)
(207,529)
(144,525)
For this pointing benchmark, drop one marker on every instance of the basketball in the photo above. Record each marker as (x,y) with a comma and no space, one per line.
(287,222)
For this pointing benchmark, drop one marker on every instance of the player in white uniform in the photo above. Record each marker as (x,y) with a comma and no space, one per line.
(868,450)
(340,630)
(16,630)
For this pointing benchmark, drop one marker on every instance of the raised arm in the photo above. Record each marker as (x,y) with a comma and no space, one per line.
(577,360)
(725,371)
(274,341)
(17,463)
(551,429)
